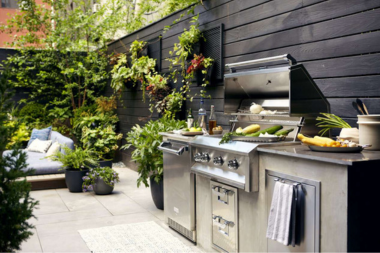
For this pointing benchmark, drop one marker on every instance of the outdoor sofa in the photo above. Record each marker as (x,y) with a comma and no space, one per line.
(43,166)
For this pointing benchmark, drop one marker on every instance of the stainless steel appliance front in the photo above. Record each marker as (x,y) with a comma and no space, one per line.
(224,217)
(179,188)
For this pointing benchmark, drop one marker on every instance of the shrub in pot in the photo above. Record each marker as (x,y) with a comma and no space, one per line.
(103,141)
(100,179)
(76,164)
(149,158)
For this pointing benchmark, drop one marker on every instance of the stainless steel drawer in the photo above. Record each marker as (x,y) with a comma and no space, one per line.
(224,217)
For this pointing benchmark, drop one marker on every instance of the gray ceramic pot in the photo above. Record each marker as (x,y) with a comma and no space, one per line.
(74,179)
(101,188)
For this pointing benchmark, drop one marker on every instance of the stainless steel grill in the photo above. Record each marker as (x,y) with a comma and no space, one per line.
(233,167)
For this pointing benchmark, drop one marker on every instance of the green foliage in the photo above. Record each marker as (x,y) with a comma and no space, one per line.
(146,140)
(140,69)
(77,159)
(183,49)
(16,205)
(32,111)
(20,134)
(102,141)
(330,121)
(109,176)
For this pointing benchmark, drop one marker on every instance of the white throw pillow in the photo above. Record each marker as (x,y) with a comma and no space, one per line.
(39,146)
(54,148)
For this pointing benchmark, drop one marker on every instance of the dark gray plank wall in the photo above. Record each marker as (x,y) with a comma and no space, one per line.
(336,40)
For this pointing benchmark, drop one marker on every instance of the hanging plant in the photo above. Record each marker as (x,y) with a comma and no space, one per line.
(200,65)
(183,49)
(137,70)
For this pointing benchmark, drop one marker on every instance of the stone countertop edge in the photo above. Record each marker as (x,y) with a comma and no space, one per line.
(340,158)
(177,136)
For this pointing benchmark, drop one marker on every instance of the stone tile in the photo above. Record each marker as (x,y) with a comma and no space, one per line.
(70,216)
(49,202)
(118,203)
(32,244)
(72,227)
(81,201)
(64,243)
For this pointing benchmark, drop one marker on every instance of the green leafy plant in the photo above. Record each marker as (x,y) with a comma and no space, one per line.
(146,140)
(32,112)
(330,121)
(139,69)
(16,205)
(102,141)
(77,159)
(20,134)
(199,63)
(109,176)
(183,49)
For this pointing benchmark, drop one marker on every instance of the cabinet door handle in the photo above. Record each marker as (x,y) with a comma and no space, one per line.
(217,193)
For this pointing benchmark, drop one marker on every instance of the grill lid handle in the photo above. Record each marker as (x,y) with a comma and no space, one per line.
(285,57)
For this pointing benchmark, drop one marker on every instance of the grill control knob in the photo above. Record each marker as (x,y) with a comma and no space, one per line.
(205,158)
(233,164)
(198,157)
(218,161)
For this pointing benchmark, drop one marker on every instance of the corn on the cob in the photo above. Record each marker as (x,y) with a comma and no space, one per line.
(251,129)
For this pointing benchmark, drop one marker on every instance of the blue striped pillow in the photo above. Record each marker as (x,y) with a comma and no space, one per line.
(41,134)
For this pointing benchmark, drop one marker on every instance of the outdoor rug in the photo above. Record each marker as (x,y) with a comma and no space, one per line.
(135,237)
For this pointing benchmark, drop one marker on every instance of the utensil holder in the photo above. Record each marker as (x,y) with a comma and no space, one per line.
(369,130)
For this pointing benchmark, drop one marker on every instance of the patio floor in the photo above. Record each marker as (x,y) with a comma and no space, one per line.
(61,214)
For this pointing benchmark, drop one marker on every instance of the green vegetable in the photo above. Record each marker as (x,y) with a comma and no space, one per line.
(331,121)
(284,132)
(227,137)
(270,130)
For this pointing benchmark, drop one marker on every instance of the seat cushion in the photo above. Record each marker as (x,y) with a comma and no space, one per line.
(41,166)
(62,140)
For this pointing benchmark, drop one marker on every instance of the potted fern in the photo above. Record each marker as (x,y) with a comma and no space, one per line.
(76,164)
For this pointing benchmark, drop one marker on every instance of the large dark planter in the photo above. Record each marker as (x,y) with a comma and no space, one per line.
(105,164)
(74,179)
(157,191)
(101,188)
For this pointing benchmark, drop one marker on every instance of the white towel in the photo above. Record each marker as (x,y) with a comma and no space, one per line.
(280,213)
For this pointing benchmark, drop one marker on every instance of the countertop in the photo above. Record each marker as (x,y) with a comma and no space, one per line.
(301,151)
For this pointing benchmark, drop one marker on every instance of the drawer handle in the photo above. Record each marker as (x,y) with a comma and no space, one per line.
(217,193)
(217,221)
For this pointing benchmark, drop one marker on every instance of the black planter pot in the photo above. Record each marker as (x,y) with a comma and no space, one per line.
(101,188)
(74,179)
(157,191)
(105,164)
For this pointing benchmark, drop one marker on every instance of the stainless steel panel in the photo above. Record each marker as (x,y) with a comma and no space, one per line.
(179,192)
(243,176)
(246,87)
(310,217)
(225,217)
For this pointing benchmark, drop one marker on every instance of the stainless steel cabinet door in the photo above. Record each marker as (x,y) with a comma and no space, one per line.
(309,216)
(179,196)
(224,217)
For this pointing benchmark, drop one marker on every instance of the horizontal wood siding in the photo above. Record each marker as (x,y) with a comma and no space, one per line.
(336,40)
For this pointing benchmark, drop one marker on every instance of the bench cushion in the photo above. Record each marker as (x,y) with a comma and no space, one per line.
(42,166)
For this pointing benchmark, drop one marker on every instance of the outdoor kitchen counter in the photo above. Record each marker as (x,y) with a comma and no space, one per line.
(302,151)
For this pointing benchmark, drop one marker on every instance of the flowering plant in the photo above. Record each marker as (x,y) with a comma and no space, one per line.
(109,176)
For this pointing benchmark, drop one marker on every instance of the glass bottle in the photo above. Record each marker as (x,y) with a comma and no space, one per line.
(212,120)
(202,116)
(190,119)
